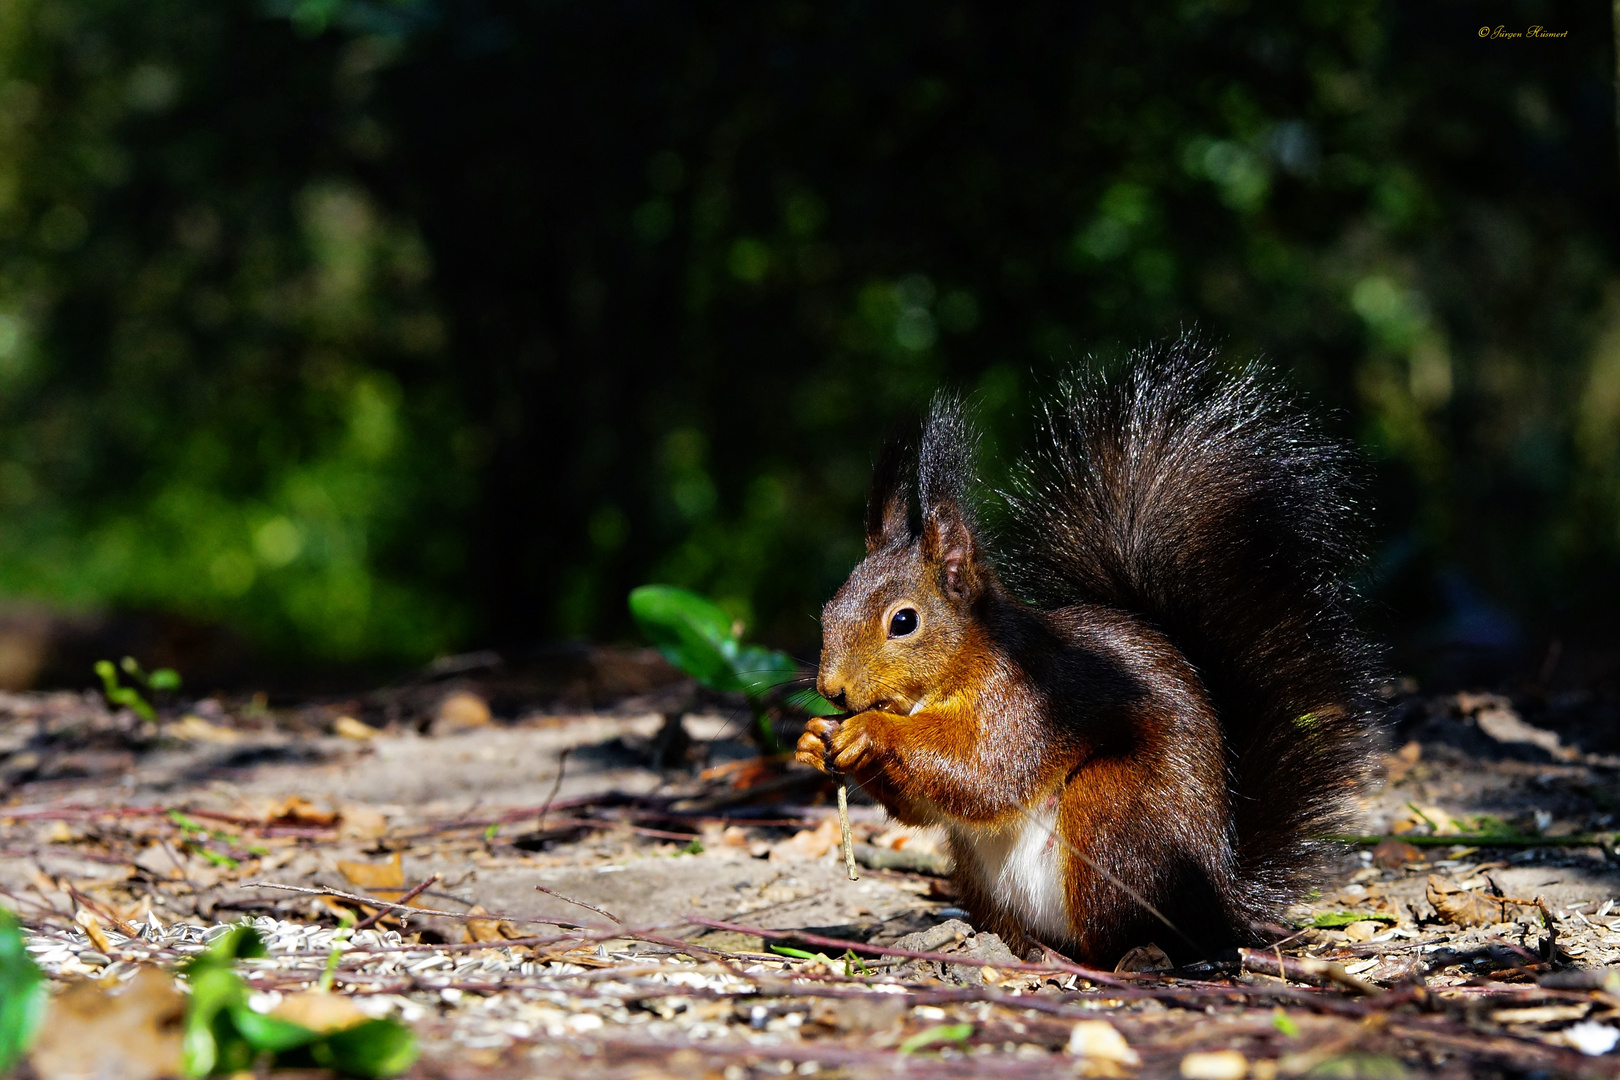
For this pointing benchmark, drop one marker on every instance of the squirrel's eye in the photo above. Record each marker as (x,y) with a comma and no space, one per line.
(903,622)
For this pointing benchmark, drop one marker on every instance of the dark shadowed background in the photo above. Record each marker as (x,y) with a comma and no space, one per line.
(374,330)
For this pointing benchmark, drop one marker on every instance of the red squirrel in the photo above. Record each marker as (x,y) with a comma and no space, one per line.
(1137,706)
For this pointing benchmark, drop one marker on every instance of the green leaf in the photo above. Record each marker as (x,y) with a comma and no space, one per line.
(164,678)
(269,1033)
(22,994)
(811,703)
(210,1042)
(241,942)
(693,633)
(371,1049)
(797,954)
(942,1033)
(1328,919)
(1284,1023)
(759,671)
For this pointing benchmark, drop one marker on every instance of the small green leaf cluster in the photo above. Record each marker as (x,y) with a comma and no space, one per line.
(223,1034)
(164,680)
(22,994)
(1328,920)
(696,635)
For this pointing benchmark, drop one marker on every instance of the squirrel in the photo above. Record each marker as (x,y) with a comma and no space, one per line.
(1139,704)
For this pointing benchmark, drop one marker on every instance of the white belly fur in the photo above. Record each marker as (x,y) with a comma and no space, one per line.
(1020,867)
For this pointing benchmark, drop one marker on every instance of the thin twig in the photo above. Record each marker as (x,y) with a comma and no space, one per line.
(843,832)
(406,899)
(580,903)
(375,902)
(556,786)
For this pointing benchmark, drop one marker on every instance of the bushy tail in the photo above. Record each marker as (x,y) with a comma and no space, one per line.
(1208,503)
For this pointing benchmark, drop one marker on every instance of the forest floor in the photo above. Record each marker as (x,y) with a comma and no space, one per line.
(603,900)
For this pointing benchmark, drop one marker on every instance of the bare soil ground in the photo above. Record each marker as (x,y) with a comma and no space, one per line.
(604,900)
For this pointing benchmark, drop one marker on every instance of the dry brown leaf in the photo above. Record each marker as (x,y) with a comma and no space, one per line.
(1465,907)
(461,711)
(196,729)
(810,843)
(320,1012)
(384,876)
(297,810)
(487,929)
(1147,957)
(1394,853)
(90,1034)
(350,728)
(92,929)
(359,822)
(1541,1014)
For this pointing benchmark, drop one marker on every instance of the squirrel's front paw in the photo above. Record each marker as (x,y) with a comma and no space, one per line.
(852,746)
(815,745)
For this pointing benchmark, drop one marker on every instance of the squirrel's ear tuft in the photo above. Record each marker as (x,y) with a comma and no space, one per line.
(944,473)
(947,541)
(888,510)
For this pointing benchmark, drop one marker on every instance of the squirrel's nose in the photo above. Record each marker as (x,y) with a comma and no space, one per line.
(834,691)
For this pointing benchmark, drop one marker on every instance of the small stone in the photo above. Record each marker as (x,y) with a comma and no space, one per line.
(1363,931)
(1101,1041)
(1215,1065)
(1592,1038)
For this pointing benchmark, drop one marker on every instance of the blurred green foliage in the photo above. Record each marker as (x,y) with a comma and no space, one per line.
(378,328)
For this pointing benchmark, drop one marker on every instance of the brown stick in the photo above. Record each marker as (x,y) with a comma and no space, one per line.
(373,901)
(843,832)
(406,899)
(1304,969)
(579,903)
(912,954)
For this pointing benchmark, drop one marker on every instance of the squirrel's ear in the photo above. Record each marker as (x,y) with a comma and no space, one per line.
(944,471)
(947,541)
(888,514)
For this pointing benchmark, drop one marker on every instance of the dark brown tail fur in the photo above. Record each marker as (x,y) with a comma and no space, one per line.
(1208,504)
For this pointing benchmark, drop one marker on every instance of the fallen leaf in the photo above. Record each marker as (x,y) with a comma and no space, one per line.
(1429,820)
(461,711)
(196,729)
(320,1012)
(1541,1014)
(755,772)
(1398,764)
(91,1034)
(1364,930)
(1215,1065)
(1144,958)
(92,929)
(487,929)
(811,843)
(1464,907)
(296,810)
(359,822)
(1393,853)
(350,728)
(382,876)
